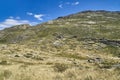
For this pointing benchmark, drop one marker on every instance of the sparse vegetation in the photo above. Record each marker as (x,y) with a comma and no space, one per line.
(62,49)
(60,67)
(88,78)
(3,62)
(5,74)
(74,56)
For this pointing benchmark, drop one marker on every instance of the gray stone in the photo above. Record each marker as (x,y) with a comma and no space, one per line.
(57,43)
(116,66)
(28,55)
(17,55)
(95,60)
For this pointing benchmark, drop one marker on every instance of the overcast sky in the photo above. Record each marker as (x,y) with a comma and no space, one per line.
(14,12)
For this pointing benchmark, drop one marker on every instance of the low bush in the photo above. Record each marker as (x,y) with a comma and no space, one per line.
(58,67)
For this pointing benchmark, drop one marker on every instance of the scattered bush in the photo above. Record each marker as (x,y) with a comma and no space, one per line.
(75,56)
(60,67)
(5,75)
(37,57)
(3,62)
(89,78)
(58,77)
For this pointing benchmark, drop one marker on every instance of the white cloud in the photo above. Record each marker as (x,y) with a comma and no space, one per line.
(11,22)
(69,4)
(29,13)
(39,16)
(11,17)
(60,6)
(76,3)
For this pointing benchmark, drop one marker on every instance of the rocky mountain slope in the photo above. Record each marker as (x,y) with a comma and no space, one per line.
(85,43)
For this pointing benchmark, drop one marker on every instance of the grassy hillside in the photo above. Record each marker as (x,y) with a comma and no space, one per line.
(79,46)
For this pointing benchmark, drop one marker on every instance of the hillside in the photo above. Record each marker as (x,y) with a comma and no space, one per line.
(79,46)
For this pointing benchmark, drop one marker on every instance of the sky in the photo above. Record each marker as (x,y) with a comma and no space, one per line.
(16,12)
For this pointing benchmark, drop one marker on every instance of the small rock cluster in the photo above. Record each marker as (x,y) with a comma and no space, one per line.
(95,60)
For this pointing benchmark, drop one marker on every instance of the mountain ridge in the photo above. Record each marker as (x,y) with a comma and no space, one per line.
(90,15)
(81,46)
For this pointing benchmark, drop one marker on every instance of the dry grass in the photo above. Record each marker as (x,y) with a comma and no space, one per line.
(49,66)
(59,50)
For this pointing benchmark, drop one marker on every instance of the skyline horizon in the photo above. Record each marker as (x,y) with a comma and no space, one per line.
(35,12)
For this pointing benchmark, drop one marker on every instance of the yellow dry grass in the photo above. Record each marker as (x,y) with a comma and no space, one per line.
(22,68)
